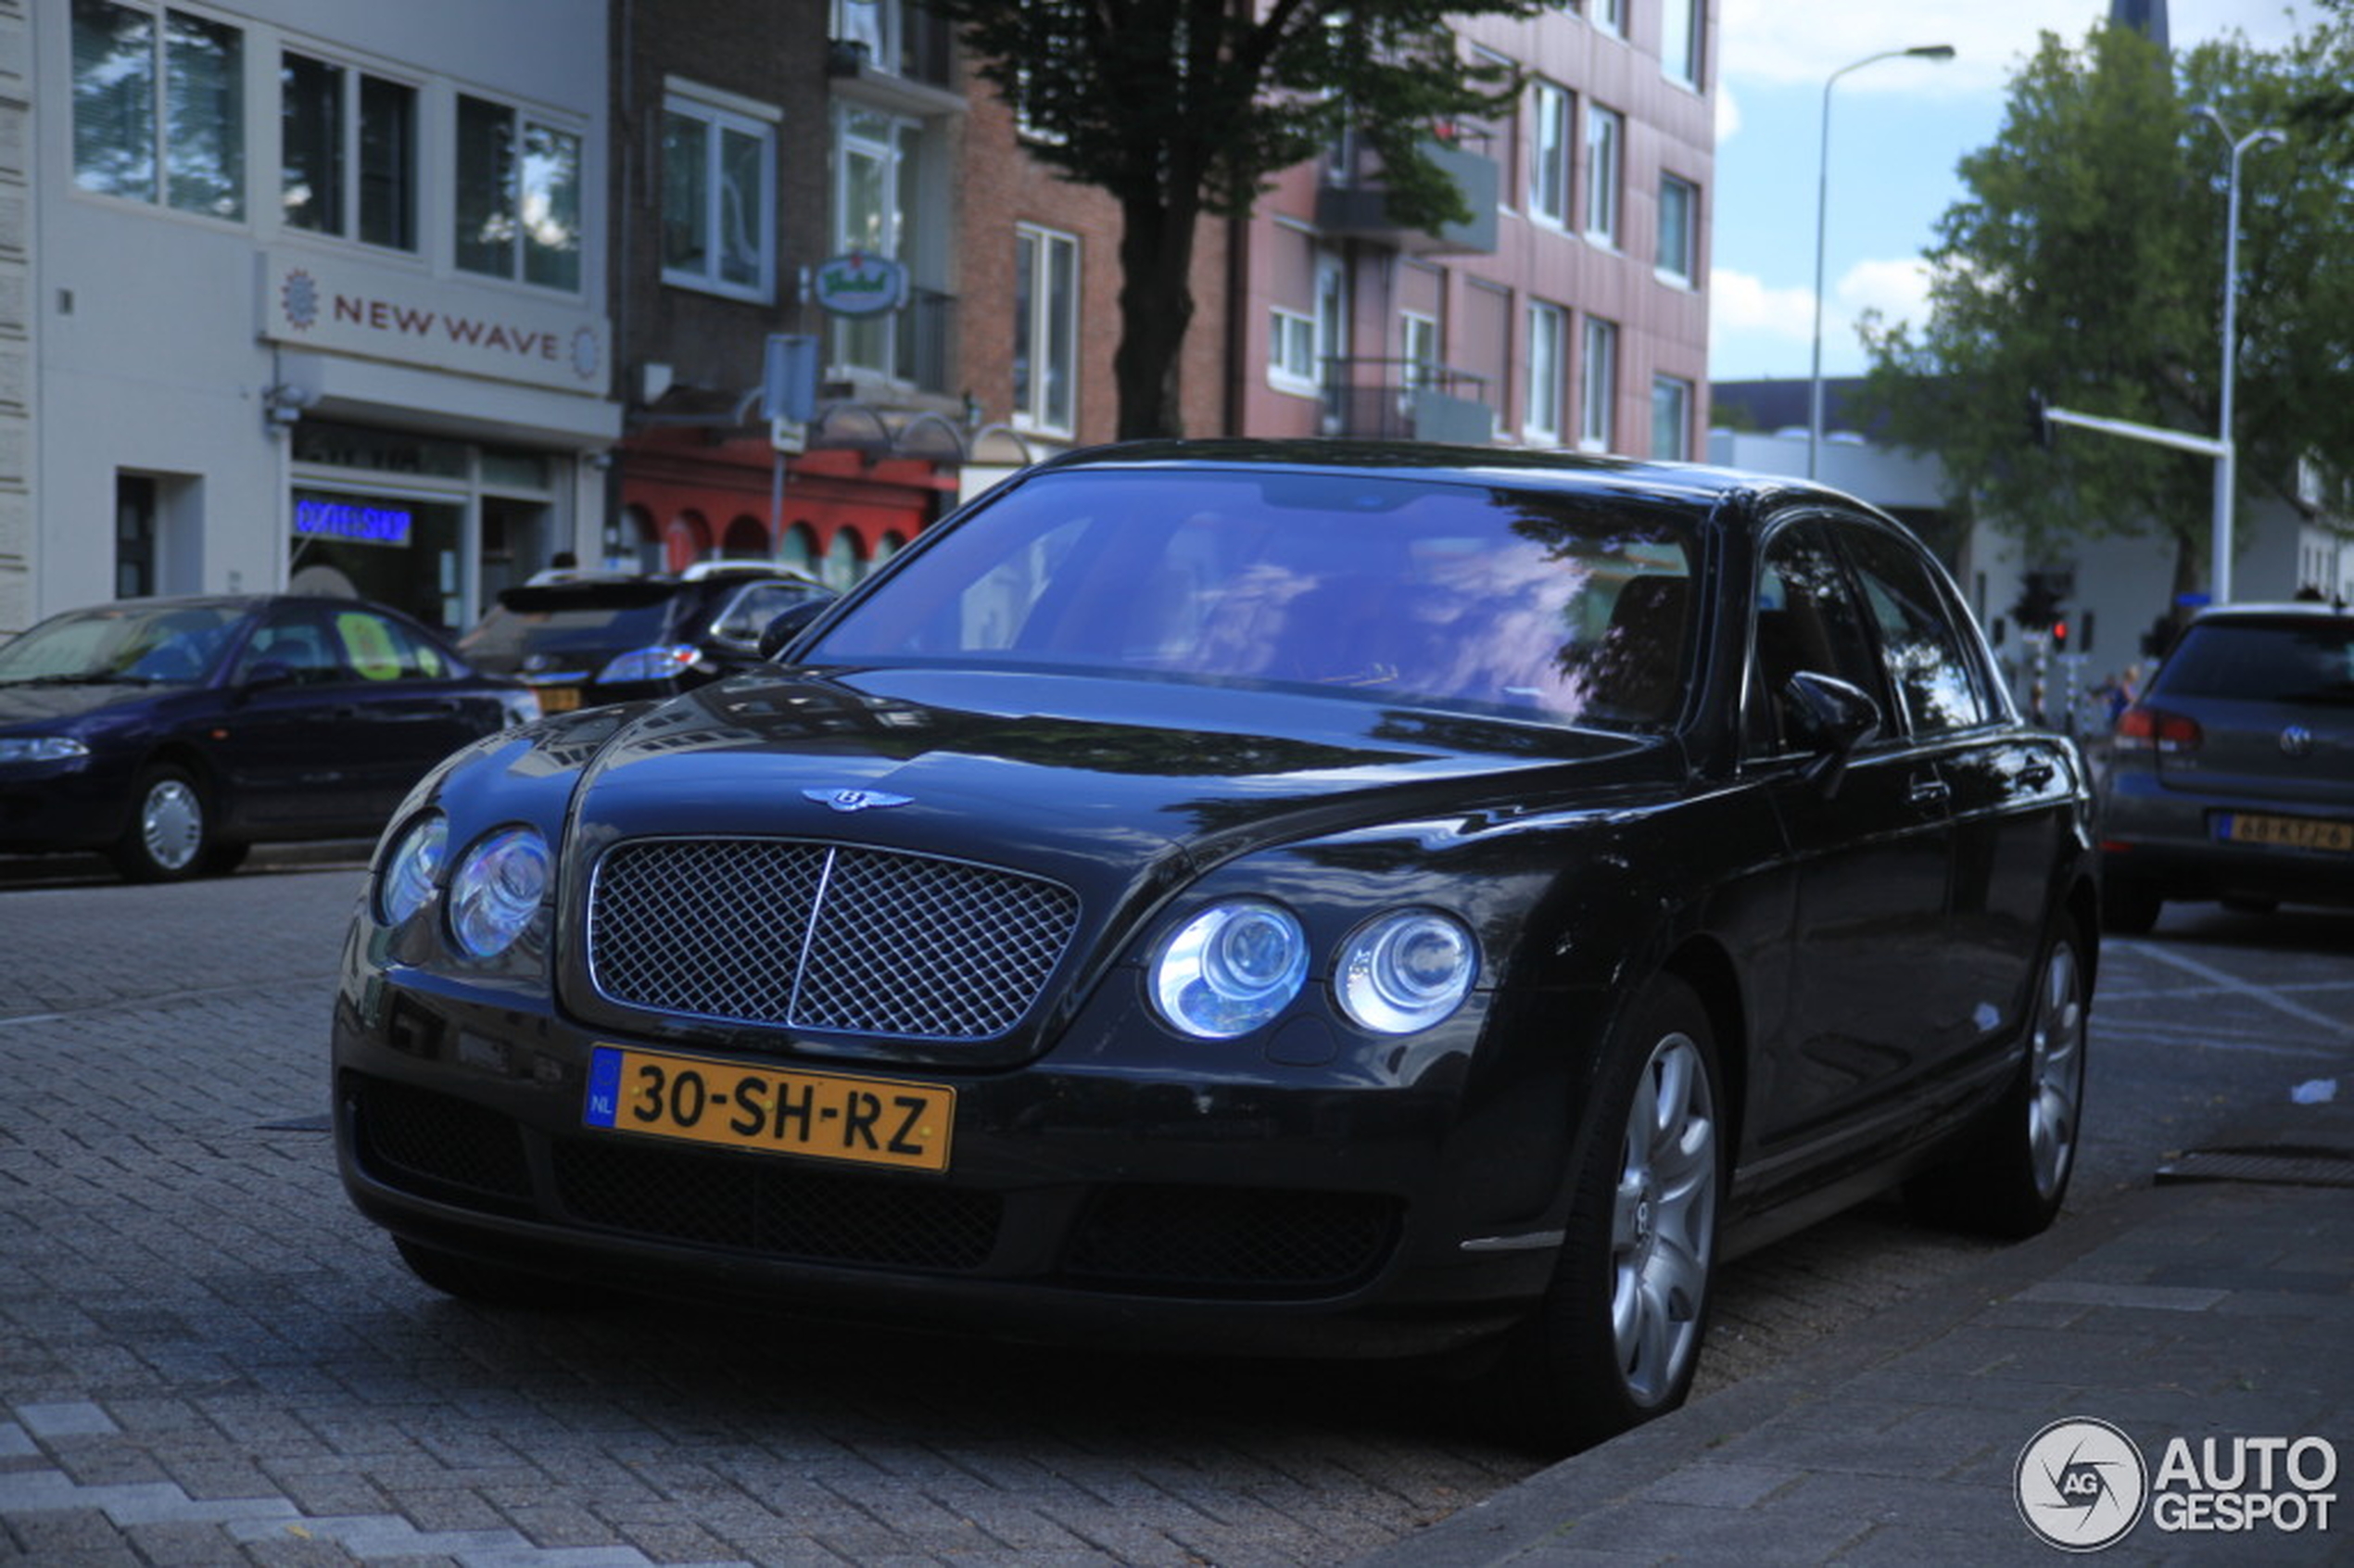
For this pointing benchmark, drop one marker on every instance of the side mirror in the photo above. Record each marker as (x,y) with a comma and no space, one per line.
(791,625)
(1832,717)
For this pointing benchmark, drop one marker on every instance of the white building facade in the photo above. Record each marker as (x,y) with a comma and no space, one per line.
(306,293)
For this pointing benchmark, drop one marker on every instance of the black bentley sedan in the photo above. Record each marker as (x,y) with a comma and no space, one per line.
(172,734)
(1326,899)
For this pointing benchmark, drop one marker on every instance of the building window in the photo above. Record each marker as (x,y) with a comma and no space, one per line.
(1682,27)
(134,535)
(1609,15)
(1418,349)
(1046,329)
(1606,155)
(1598,387)
(1549,153)
(518,196)
(1678,230)
(1541,415)
(718,225)
(876,159)
(158,108)
(1291,351)
(1671,419)
(347,153)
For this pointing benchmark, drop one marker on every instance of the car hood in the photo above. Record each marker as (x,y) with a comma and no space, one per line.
(990,763)
(34,702)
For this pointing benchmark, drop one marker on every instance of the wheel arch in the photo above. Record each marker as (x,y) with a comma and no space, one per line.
(1704,964)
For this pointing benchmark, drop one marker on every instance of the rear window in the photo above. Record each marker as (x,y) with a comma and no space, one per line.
(2309,661)
(506,635)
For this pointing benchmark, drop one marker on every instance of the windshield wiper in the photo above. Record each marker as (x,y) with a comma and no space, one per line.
(83,678)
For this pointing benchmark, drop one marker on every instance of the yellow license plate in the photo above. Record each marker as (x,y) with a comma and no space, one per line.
(558,699)
(818,1115)
(2297,832)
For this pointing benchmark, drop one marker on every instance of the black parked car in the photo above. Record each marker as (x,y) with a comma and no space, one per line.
(588,637)
(1348,900)
(2232,777)
(175,733)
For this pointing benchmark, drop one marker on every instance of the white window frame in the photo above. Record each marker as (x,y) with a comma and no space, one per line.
(720,117)
(1418,349)
(1683,269)
(1597,385)
(1607,17)
(1052,331)
(1540,422)
(1605,165)
(1683,396)
(1551,156)
(520,191)
(870,344)
(1291,352)
(160,170)
(351,155)
(1684,22)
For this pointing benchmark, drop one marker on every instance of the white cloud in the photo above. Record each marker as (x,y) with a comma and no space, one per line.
(1765,324)
(1737,302)
(1898,290)
(1728,114)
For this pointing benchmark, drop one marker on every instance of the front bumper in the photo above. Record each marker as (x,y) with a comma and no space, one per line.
(1336,1208)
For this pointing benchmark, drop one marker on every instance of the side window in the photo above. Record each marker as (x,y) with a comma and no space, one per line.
(1807,619)
(1932,666)
(297,639)
(376,648)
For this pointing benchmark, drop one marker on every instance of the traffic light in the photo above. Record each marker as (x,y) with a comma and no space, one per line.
(2060,636)
(2039,602)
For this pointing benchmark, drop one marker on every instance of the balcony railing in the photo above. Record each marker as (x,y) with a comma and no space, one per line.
(1354,203)
(1406,401)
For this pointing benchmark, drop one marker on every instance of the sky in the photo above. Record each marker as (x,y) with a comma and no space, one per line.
(1899,129)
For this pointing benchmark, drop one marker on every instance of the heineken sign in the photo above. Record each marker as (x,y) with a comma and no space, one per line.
(861,286)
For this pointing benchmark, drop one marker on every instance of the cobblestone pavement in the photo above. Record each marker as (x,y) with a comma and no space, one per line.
(206,1356)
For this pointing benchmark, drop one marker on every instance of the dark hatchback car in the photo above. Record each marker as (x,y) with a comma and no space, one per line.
(2232,777)
(1341,900)
(586,639)
(172,734)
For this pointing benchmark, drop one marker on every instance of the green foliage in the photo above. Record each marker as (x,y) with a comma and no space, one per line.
(2087,263)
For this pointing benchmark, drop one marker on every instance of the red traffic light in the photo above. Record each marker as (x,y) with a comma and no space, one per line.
(2059,634)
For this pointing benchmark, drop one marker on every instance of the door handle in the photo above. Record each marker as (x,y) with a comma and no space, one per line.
(1929,791)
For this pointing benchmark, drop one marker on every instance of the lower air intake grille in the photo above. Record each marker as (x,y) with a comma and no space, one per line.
(1221,1241)
(774,1208)
(427,1143)
(789,934)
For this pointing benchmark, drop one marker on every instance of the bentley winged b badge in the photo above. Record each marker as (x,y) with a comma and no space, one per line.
(856,800)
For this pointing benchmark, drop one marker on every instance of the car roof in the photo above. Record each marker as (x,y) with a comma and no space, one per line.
(1565,473)
(2294,608)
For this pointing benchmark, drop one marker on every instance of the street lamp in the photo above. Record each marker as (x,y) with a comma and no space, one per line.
(2218,574)
(1822,207)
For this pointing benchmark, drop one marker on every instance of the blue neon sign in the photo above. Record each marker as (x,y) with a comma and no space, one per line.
(350,520)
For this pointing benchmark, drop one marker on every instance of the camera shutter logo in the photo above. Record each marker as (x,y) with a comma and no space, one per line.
(2080,1485)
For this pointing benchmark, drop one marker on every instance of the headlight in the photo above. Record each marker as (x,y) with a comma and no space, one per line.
(497,891)
(1230,968)
(39,748)
(1405,971)
(412,869)
(650,663)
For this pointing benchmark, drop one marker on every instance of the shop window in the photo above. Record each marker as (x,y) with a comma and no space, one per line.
(798,548)
(518,196)
(843,567)
(183,146)
(718,220)
(347,153)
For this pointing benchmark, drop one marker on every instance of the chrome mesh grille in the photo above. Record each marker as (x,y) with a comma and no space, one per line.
(799,935)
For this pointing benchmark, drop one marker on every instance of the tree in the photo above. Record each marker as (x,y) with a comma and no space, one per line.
(2087,264)
(1183,108)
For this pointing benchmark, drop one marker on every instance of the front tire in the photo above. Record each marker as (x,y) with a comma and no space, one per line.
(1617,1338)
(170,834)
(2012,1179)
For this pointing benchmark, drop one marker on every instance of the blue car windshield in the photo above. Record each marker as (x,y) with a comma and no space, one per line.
(149,644)
(1407,589)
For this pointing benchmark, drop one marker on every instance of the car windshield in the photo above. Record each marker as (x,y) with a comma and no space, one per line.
(151,644)
(1395,588)
(2302,662)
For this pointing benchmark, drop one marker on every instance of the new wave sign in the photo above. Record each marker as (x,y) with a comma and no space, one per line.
(319,302)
